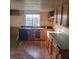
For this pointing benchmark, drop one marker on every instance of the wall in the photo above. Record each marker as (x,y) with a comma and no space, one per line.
(59,28)
(16,21)
(45,20)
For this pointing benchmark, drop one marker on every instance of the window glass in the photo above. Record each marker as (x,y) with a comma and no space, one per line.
(32,20)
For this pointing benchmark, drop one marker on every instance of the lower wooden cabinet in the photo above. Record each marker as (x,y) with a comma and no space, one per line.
(53,49)
(35,34)
(32,34)
(58,56)
(49,46)
(43,34)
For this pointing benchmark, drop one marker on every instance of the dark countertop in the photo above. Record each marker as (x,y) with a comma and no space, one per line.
(32,27)
(36,27)
(61,39)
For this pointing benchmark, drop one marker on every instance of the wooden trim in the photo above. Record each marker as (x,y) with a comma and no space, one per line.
(16,12)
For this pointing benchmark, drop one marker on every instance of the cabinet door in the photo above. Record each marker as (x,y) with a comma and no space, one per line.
(65,15)
(58,56)
(35,34)
(55,16)
(32,34)
(43,34)
(49,45)
(23,34)
(29,34)
(59,15)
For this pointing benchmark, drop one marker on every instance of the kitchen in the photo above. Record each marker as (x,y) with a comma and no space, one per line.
(41,27)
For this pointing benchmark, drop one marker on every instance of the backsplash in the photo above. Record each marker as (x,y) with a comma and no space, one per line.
(59,28)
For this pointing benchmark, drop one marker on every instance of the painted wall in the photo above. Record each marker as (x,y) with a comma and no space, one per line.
(16,21)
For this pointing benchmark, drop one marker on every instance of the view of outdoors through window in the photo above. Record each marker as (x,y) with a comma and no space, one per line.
(32,20)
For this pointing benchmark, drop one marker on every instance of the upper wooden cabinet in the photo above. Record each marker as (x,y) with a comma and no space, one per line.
(16,12)
(51,13)
(62,15)
(65,15)
(59,15)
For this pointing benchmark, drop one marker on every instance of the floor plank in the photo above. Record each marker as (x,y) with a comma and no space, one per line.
(30,50)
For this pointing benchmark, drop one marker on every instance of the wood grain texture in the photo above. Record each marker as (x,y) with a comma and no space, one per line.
(59,15)
(16,12)
(65,15)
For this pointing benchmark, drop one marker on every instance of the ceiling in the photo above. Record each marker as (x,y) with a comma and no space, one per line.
(42,5)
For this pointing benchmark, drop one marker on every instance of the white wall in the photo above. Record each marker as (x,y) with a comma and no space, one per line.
(16,21)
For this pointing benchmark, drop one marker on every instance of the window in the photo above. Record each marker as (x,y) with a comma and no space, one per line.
(32,20)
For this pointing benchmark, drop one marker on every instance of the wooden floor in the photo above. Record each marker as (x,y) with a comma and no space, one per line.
(30,50)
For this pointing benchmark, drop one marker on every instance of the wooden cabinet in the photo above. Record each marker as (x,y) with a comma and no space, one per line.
(55,51)
(29,34)
(38,34)
(35,34)
(14,12)
(48,45)
(43,34)
(59,15)
(58,56)
(23,34)
(65,15)
(51,14)
(55,16)
(32,34)
(62,15)
(52,48)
